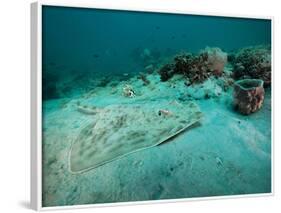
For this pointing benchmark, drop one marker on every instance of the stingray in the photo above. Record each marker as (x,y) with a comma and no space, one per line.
(115,131)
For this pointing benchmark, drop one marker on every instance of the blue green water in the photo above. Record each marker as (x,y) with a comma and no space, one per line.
(89,54)
(77,40)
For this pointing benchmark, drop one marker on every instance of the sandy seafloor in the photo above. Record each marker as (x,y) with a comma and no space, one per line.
(225,154)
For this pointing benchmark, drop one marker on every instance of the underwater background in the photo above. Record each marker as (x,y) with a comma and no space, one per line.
(98,58)
(83,41)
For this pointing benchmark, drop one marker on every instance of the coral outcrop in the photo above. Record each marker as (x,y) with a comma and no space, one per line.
(248,95)
(215,58)
(196,67)
(167,72)
(253,62)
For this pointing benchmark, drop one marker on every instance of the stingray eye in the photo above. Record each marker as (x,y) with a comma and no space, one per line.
(159,113)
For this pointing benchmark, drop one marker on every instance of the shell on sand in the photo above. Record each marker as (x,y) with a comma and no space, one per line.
(118,130)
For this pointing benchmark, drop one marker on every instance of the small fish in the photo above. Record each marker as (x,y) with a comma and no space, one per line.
(173,37)
(157,27)
(96,56)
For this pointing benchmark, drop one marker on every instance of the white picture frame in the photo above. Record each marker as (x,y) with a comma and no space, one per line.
(36,102)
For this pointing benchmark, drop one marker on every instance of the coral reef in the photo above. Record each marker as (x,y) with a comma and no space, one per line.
(216,59)
(253,62)
(167,72)
(191,66)
(196,67)
(248,95)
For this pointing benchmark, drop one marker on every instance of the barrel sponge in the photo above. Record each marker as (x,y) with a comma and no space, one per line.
(248,95)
